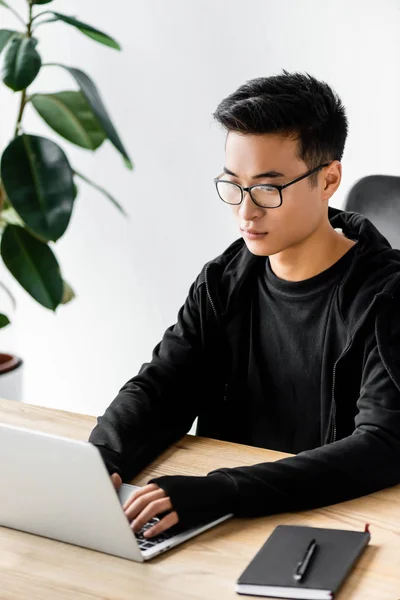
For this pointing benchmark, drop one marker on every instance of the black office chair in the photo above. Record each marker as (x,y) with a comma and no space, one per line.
(378,198)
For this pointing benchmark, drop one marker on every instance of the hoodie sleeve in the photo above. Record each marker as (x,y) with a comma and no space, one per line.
(157,406)
(362,463)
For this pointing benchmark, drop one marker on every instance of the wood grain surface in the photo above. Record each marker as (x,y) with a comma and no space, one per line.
(36,568)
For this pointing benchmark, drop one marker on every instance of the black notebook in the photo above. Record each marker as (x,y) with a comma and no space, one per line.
(302,562)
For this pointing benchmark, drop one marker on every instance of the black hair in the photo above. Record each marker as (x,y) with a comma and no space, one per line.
(292,104)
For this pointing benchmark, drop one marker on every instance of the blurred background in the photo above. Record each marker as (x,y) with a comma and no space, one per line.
(179,59)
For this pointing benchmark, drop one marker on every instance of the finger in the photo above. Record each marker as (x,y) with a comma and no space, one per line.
(165,523)
(140,492)
(150,511)
(140,504)
(116,481)
(140,509)
(136,494)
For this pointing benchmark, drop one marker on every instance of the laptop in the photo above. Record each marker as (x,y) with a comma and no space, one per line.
(59,488)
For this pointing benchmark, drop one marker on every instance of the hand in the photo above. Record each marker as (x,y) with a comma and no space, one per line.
(147,503)
(116,480)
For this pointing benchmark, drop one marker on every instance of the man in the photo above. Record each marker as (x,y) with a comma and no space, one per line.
(289,340)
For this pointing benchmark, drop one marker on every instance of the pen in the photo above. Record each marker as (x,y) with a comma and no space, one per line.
(305,561)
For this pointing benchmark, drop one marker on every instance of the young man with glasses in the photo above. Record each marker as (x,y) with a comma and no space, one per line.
(289,340)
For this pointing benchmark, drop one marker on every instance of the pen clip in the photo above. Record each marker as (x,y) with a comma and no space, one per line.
(303,564)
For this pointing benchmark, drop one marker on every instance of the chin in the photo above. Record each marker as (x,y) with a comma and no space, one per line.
(258,248)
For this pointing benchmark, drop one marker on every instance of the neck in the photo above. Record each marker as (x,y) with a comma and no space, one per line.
(323,248)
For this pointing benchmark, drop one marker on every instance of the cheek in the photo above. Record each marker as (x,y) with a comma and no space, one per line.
(235,213)
(292,222)
(300,212)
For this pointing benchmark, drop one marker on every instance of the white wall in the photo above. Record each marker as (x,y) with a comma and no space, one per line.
(179,60)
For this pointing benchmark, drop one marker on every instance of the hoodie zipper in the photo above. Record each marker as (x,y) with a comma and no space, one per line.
(345,351)
(208,293)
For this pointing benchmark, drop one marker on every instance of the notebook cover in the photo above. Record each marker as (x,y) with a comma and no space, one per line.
(274,564)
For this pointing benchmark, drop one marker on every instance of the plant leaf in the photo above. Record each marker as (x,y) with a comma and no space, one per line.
(70,115)
(76,190)
(33,265)
(4,3)
(92,95)
(38,181)
(68,293)
(41,1)
(4,320)
(95,34)
(20,62)
(5,35)
(103,191)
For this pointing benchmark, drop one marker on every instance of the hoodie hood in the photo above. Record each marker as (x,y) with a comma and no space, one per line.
(374,270)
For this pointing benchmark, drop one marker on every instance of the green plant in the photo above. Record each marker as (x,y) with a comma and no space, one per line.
(37,182)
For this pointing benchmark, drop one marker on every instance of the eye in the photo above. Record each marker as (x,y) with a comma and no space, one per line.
(266,189)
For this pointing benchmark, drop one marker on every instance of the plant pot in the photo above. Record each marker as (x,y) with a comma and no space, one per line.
(11,377)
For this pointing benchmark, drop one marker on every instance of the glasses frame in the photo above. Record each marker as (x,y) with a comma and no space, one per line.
(278,187)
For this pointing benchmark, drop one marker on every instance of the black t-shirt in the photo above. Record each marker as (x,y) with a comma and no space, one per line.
(288,325)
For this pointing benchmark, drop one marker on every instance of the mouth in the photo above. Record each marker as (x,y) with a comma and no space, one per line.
(251,234)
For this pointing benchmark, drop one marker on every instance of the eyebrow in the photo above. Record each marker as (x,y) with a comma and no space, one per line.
(259,176)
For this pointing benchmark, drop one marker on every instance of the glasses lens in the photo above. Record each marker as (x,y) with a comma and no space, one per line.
(229,192)
(266,196)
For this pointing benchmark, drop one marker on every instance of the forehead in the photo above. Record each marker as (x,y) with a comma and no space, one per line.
(247,154)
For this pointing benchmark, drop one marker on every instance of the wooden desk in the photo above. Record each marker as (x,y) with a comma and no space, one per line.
(205,567)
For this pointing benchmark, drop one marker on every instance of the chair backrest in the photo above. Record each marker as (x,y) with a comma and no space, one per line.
(377,197)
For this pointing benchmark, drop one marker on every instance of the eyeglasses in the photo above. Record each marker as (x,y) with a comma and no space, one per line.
(264,195)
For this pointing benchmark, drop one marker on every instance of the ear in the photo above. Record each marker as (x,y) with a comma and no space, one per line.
(331,179)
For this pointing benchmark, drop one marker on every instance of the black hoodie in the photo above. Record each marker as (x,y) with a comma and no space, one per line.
(196,371)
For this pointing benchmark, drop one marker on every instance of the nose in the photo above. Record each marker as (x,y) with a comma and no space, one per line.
(248,210)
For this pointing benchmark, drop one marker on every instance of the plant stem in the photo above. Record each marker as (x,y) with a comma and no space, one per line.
(102,190)
(45,12)
(14,303)
(23,94)
(20,113)
(36,25)
(30,19)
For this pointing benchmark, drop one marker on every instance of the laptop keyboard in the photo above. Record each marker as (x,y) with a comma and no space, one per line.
(147,543)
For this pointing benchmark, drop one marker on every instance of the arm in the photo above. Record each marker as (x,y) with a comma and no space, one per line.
(362,463)
(158,406)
